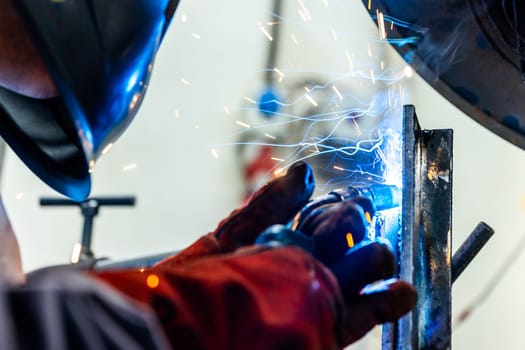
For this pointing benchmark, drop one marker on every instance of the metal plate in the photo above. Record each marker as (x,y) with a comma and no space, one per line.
(424,243)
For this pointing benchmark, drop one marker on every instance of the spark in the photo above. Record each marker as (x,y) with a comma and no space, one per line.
(369,4)
(356,127)
(279,72)
(134,100)
(294,38)
(249,100)
(334,34)
(270,136)
(75,254)
(350,62)
(350,240)
(272,23)
(107,148)
(307,89)
(305,10)
(369,50)
(278,171)
(311,100)
(91,166)
(382,155)
(409,72)
(338,168)
(373,76)
(265,32)
(215,153)
(184,81)
(337,92)
(227,110)
(184,18)
(277,159)
(392,25)
(381,25)
(303,16)
(243,124)
(130,167)
(196,36)
(152,281)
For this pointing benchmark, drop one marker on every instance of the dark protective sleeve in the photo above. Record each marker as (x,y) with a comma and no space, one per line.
(61,309)
(271,299)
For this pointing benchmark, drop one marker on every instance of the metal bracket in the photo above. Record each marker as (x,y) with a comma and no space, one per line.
(424,244)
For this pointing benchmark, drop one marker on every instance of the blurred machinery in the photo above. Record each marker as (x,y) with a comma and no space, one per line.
(89,208)
(471,51)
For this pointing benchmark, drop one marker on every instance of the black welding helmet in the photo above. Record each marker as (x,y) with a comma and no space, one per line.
(100,55)
(471,51)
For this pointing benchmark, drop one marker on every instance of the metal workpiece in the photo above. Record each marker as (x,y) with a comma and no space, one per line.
(424,241)
(470,248)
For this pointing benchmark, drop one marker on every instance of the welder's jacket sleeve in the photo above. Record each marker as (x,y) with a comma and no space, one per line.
(63,309)
(271,299)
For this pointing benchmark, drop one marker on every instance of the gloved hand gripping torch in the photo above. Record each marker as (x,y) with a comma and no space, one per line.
(331,247)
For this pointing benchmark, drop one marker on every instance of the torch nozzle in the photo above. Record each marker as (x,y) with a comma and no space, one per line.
(382,196)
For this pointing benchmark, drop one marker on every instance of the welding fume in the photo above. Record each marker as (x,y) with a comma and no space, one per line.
(346,218)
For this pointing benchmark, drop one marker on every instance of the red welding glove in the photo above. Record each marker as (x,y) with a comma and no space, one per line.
(267,298)
(275,203)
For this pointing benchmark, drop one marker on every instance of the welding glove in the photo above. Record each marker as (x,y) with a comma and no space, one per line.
(275,203)
(364,271)
(216,296)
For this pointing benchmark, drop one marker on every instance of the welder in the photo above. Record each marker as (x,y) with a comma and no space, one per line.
(72,75)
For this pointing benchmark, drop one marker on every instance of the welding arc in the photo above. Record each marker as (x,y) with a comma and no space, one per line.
(492,283)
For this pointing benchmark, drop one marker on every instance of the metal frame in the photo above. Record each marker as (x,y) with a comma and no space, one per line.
(424,244)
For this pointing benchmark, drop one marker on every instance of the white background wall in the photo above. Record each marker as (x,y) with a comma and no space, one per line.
(183,190)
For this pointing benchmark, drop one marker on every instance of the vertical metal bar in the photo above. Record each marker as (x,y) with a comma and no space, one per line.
(434,240)
(424,244)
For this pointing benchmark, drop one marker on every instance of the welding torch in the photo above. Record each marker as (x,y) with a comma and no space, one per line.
(332,246)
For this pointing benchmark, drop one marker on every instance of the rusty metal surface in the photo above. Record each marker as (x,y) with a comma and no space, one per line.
(424,243)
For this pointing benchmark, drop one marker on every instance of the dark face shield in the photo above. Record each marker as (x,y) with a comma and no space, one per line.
(100,55)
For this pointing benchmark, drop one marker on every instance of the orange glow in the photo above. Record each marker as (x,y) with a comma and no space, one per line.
(350,240)
(368,217)
(153,281)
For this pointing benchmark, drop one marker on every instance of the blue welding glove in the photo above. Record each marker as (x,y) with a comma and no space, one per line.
(363,268)
(338,227)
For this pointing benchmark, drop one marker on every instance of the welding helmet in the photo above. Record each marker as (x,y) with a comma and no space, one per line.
(470,51)
(100,55)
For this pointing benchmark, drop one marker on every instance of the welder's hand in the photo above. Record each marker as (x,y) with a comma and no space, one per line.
(337,227)
(275,203)
(364,272)
(371,295)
